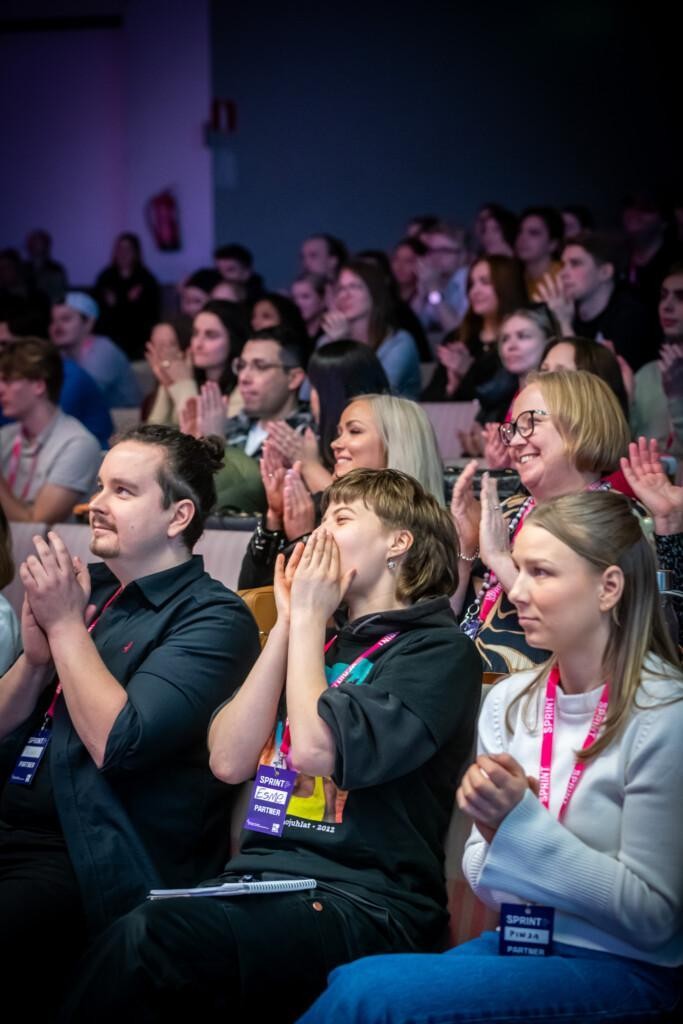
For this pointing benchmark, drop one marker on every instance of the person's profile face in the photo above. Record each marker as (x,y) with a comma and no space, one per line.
(358,444)
(210,342)
(481,292)
(671,307)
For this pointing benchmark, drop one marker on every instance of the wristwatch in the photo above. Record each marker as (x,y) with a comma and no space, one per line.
(435,298)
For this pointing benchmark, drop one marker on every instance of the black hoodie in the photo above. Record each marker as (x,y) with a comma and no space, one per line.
(403,725)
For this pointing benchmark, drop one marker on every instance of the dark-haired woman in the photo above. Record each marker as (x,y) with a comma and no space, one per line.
(218,335)
(469,362)
(364,312)
(129,297)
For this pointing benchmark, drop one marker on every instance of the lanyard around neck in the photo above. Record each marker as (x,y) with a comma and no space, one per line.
(548,736)
(286,743)
(13,470)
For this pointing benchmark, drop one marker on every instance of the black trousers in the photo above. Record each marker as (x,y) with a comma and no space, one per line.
(42,926)
(239,958)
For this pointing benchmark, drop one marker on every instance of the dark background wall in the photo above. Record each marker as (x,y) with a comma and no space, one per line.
(352,117)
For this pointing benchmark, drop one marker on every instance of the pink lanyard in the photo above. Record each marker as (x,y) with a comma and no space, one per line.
(344,675)
(49,714)
(15,459)
(547,742)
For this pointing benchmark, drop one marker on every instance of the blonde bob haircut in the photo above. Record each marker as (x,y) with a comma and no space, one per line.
(428,568)
(408,439)
(603,528)
(587,416)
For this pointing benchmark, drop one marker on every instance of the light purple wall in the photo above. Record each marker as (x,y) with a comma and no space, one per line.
(97,121)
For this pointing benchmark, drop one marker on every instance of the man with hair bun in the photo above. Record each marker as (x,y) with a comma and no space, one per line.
(105,788)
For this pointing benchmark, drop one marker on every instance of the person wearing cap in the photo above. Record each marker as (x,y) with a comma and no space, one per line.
(48,460)
(72,330)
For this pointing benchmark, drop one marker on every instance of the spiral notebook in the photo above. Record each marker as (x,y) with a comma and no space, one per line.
(236,888)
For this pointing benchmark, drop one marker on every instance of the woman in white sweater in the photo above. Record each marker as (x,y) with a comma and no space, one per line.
(575,798)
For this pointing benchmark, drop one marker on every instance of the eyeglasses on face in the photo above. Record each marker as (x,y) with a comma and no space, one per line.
(524,425)
(257,365)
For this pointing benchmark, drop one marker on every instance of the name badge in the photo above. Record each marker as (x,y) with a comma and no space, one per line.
(27,765)
(526,929)
(269,799)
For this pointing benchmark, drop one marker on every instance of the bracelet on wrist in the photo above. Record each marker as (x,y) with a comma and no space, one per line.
(469,558)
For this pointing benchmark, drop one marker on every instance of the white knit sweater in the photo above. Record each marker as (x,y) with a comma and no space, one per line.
(613,869)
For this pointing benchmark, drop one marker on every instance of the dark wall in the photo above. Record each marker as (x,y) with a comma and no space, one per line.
(352,117)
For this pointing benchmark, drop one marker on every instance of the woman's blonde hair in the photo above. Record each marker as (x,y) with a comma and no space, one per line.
(603,528)
(409,441)
(429,567)
(587,416)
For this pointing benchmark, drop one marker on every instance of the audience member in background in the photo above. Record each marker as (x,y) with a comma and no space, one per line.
(48,460)
(577,220)
(275,310)
(499,231)
(588,301)
(403,314)
(309,291)
(375,725)
(374,432)
(13,281)
(269,372)
(469,360)
(128,296)
(228,292)
(123,799)
(538,244)
(584,354)
(567,435)
(195,290)
(323,255)
(441,300)
(235,264)
(80,396)
(44,274)
(523,338)
(10,639)
(652,245)
(420,224)
(71,329)
(603,848)
(657,407)
(404,267)
(218,333)
(363,312)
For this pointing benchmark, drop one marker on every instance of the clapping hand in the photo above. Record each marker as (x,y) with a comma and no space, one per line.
(671,366)
(298,508)
(550,290)
(490,789)
(497,454)
(645,475)
(57,589)
(212,412)
(282,581)
(466,510)
(290,443)
(272,469)
(335,325)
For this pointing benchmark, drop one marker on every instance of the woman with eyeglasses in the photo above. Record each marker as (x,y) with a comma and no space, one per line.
(567,434)
(573,797)
(364,311)
(219,331)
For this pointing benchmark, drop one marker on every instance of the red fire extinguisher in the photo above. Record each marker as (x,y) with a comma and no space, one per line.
(163,220)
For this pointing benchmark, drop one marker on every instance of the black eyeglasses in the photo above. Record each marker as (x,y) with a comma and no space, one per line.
(524,425)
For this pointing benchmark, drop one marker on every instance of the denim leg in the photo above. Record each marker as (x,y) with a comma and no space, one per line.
(472,983)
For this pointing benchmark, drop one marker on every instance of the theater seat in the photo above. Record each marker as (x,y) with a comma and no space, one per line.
(261,603)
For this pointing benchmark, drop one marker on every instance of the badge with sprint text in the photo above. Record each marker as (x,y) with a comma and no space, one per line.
(526,929)
(27,764)
(269,800)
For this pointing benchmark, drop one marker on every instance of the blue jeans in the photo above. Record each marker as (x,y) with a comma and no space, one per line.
(473,983)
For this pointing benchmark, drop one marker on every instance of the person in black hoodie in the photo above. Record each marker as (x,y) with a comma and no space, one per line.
(369,730)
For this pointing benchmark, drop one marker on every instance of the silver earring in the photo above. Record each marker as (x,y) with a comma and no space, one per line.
(391,563)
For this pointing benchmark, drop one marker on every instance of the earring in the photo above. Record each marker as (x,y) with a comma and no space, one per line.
(391,563)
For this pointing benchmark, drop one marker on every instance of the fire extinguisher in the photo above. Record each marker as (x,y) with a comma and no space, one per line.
(163,221)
